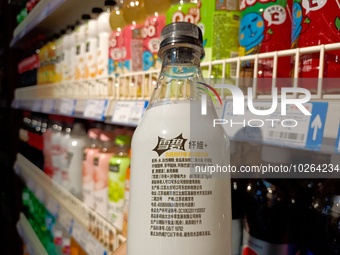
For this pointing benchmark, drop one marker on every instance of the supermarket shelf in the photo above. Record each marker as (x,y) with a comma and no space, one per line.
(126,93)
(48,17)
(95,234)
(31,240)
(120,112)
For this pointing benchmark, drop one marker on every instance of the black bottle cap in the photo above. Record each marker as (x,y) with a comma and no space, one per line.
(97,10)
(85,17)
(182,32)
(110,3)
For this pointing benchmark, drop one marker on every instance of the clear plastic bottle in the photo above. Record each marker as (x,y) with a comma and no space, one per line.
(75,148)
(101,164)
(65,135)
(167,145)
(104,32)
(116,53)
(88,168)
(67,55)
(79,47)
(91,47)
(119,165)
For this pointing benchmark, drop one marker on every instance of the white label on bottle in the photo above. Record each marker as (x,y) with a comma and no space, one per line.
(67,106)
(116,213)
(88,193)
(101,201)
(102,56)
(254,246)
(128,112)
(172,208)
(95,109)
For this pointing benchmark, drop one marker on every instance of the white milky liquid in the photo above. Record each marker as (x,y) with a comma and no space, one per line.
(170,121)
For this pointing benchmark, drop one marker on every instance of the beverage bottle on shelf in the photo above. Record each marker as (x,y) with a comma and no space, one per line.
(55,148)
(80,47)
(24,148)
(153,25)
(119,164)
(116,40)
(127,197)
(272,220)
(91,47)
(322,228)
(220,22)
(104,32)
(67,55)
(59,56)
(35,140)
(184,11)
(47,139)
(166,148)
(75,149)
(65,136)
(88,168)
(317,23)
(101,164)
(238,188)
(51,59)
(265,26)
(134,15)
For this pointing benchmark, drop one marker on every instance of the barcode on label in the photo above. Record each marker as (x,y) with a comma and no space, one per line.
(286,135)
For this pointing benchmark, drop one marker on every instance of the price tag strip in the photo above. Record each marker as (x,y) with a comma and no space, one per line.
(67,107)
(66,208)
(47,106)
(129,112)
(96,109)
(295,129)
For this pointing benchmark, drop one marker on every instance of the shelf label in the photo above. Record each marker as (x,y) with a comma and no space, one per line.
(65,219)
(77,232)
(47,106)
(129,112)
(36,106)
(96,109)
(293,129)
(337,141)
(40,193)
(52,206)
(67,106)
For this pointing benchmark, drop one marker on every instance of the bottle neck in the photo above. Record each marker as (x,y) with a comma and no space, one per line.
(181,56)
(179,77)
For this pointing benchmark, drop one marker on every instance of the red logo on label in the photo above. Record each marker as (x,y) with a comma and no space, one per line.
(248,251)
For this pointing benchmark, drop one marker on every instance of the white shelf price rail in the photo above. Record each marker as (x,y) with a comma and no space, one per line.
(87,227)
(29,237)
(139,85)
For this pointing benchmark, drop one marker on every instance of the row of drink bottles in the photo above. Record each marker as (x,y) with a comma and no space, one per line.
(270,215)
(124,37)
(94,165)
(52,235)
(30,4)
